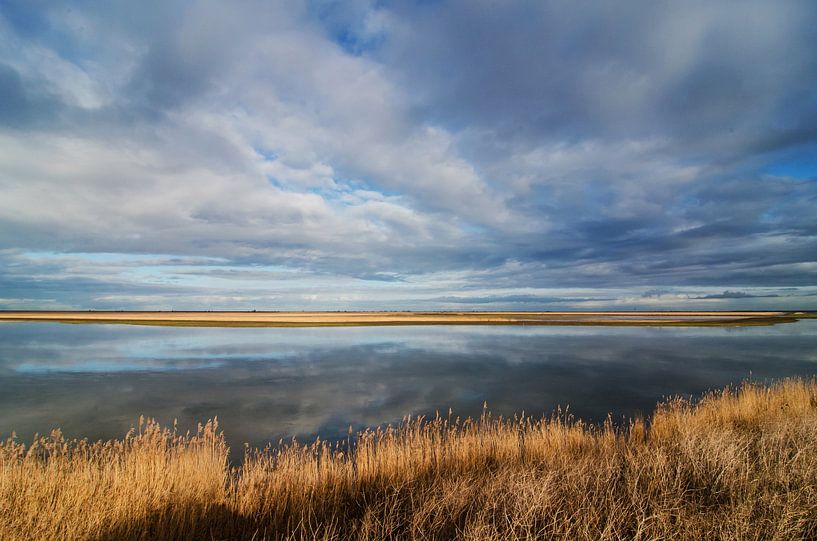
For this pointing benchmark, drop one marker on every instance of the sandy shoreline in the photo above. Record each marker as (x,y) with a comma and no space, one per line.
(319,319)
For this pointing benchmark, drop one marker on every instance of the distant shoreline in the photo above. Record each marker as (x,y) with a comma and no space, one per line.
(358,319)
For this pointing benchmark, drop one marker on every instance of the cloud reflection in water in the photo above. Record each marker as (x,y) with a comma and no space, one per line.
(95,380)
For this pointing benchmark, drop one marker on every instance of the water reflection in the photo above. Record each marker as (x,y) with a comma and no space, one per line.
(95,380)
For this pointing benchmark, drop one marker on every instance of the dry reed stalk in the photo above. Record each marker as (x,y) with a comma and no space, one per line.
(738,464)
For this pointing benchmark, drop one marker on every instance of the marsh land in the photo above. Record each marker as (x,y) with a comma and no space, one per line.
(329,319)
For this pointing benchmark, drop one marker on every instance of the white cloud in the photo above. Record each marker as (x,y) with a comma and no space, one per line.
(457,145)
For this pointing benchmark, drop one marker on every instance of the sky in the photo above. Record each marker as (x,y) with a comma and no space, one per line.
(408,155)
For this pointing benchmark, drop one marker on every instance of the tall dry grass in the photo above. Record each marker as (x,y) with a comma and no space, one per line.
(739,464)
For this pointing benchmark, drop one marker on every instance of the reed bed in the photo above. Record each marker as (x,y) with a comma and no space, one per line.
(737,464)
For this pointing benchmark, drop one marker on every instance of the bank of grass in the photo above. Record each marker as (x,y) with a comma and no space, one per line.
(738,464)
(475,321)
(362,319)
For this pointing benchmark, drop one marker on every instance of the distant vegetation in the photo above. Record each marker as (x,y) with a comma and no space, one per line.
(354,319)
(738,464)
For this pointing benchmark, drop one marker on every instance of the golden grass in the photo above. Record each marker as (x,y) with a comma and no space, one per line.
(738,464)
(346,319)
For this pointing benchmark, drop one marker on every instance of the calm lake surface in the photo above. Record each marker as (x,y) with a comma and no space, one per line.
(265,383)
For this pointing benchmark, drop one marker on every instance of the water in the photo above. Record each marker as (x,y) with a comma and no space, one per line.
(263,384)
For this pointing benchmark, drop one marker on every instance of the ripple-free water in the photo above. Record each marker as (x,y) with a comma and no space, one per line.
(266,383)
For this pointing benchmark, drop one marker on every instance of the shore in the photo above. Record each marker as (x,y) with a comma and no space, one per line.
(738,464)
(345,319)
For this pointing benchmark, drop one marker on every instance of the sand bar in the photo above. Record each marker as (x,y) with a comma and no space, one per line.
(324,319)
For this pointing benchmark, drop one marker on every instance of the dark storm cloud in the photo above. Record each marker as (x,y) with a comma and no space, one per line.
(438,147)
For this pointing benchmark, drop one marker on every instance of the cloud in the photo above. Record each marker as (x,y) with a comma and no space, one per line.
(534,301)
(501,146)
(24,105)
(734,295)
(737,295)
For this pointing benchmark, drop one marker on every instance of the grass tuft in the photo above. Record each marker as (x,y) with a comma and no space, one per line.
(736,464)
